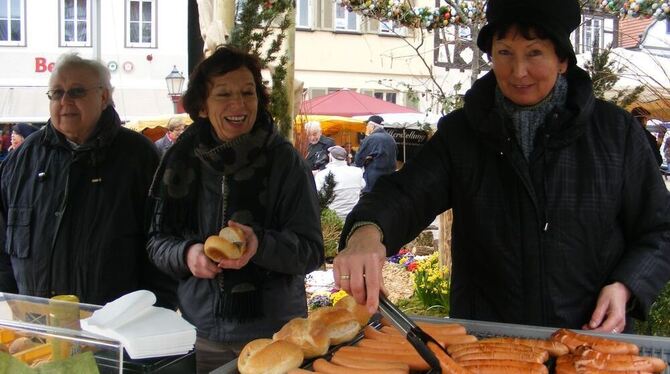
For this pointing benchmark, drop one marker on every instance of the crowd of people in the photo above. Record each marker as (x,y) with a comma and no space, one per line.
(561,217)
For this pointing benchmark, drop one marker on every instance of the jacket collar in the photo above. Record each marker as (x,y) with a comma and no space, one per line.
(103,134)
(488,121)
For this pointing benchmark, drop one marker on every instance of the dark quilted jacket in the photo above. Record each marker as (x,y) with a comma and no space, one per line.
(75,221)
(534,242)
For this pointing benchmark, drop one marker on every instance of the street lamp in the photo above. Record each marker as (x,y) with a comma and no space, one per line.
(174,82)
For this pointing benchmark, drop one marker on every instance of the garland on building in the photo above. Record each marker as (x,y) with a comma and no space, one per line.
(466,12)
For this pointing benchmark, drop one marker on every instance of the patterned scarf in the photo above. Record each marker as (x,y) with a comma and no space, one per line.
(244,167)
(528,119)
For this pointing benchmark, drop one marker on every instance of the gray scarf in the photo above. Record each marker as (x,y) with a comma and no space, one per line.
(526,120)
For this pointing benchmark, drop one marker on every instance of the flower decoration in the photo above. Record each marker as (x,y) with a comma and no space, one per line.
(319,300)
(335,297)
(404,258)
(465,12)
(431,282)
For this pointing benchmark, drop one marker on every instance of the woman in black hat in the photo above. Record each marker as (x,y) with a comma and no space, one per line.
(560,214)
(20,132)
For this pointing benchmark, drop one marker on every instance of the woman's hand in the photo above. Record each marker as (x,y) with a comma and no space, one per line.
(251,243)
(358,268)
(199,264)
(610,313)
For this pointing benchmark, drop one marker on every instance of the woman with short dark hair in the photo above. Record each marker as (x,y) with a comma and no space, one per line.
(232,168)
(560,216)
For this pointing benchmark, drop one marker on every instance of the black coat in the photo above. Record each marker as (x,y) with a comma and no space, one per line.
(74,221)
(290,243)
(534,242)
(317,153)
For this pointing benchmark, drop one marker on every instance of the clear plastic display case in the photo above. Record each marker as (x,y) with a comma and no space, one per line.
(37,331)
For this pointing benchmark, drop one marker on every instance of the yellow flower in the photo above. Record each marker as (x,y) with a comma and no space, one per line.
(335,297)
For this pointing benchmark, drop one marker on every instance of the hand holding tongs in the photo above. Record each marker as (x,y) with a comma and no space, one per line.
(416,336)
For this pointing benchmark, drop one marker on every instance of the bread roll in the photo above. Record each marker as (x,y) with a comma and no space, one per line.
(340,324)
(360,312)
(229,244)
(265,356)
(21,344)
(312,339)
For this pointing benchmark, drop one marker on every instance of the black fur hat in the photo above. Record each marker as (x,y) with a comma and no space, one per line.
(557,18)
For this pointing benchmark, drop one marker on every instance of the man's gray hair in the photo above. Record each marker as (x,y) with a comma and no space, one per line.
(313,126)
(72,60)
(175,122)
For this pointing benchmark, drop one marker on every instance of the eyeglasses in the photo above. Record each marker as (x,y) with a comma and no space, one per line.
(72,93)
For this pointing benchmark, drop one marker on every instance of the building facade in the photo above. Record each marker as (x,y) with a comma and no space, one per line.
(337,49)
(140,41)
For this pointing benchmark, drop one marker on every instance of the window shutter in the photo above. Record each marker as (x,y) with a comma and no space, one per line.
(316,14)
(373,25)
(327,14)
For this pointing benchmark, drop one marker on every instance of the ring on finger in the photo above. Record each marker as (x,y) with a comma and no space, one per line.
(614,331)
(345,277)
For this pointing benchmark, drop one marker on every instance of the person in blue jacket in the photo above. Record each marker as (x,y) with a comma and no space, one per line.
(377,153)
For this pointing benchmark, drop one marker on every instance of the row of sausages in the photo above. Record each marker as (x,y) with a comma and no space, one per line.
(387,351)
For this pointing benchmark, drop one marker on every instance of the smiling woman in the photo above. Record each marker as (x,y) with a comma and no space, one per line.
(576,212)
(232,168)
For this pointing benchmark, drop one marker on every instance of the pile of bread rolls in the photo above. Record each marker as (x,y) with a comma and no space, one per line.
(302,338)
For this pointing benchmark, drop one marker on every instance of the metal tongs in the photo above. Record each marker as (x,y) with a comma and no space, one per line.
(414,334)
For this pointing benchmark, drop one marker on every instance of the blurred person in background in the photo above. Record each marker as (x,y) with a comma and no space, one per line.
(560,216)
(73,198)
(377,153)
(20,132)
(348,181)
(317,150)
(231,167)
(642,116)
(175,127)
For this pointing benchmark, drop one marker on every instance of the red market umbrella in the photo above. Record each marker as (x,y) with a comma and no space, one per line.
(348,103)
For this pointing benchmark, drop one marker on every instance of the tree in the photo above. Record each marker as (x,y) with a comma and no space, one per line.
(261,31)
(605,74)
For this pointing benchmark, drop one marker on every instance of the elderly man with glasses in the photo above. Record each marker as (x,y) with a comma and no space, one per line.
(73,198)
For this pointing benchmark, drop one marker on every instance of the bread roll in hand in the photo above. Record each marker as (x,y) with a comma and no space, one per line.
(229,244)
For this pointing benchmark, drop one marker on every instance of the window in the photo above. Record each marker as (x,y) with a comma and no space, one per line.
(389,96)
(667,25)
(12,22)
(75,30)
(345,20)
(389,27)
(303,12)
(595,31)
(316,92)
(141,23)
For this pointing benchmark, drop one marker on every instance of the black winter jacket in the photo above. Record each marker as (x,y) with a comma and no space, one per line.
(290,246)
(535,241)
(74,221)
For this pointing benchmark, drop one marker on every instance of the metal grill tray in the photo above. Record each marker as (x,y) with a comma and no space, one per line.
(655,346)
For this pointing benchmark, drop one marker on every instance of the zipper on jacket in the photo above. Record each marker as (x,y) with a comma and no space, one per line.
(60,212)
(222,222)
